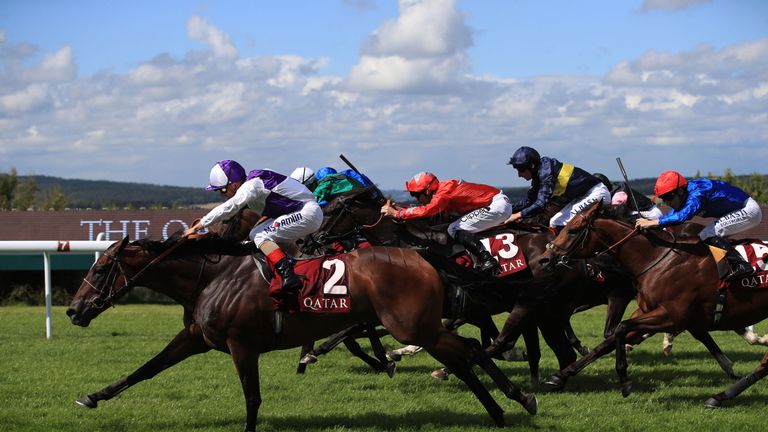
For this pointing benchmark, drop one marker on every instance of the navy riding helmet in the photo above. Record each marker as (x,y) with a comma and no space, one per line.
(524,157)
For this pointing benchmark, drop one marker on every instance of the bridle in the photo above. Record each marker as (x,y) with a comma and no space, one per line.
(323,237)
(567,252)
(107,292)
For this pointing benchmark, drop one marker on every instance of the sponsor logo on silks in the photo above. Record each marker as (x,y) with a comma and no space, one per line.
(504,248)
(756,254)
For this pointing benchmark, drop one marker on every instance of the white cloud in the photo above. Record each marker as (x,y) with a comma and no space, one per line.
(421,51)
(649,5)
(219,42)
(408,105)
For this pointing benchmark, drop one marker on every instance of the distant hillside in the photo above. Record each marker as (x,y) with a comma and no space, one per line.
(98,194)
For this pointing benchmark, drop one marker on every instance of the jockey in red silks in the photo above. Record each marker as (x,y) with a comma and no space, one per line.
(551,178)
(480,206)
(733,209)
(290,208)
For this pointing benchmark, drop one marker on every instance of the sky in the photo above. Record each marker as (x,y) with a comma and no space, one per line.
(157,92)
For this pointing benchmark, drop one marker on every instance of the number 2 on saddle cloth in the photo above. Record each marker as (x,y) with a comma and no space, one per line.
(503,246)
(324,286)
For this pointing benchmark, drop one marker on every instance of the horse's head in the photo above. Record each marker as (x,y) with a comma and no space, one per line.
(348,215)
(105,283)
(576,240)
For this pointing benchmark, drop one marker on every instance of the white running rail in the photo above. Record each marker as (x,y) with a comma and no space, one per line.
(48,247)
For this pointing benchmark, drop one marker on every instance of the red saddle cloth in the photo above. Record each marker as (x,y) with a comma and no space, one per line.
(503,246)
(324,286)
(756,253)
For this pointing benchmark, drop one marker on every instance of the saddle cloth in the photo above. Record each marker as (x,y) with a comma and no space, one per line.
(503,246)
(756,253)
(324,286)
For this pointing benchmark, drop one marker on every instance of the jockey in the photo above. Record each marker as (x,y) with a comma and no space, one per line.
(551,179)
(482,207)
(733,209)
(290,207)
(305,176)
(330,184)
(620,196)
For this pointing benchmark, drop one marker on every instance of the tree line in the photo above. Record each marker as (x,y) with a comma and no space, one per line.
(26,195)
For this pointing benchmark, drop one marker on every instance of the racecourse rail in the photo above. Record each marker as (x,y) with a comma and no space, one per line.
(48,247)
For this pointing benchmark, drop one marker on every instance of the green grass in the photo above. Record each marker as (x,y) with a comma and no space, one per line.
(40,380)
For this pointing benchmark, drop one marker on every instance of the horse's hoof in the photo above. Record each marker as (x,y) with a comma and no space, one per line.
(712,403)
(531,404)
(87,402)
(514,354)
(390,369)
(393,356)
(667,350)
(583,350)
(440,374)
(626,388)
(308,359)
(628,347)
(555,382)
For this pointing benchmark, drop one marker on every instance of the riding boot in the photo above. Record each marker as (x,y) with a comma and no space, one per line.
(291,282)
(739,266)
(488,263)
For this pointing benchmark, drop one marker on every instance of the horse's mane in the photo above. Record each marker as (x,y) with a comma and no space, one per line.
(205,245)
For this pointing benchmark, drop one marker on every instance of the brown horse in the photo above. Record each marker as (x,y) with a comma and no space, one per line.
(678,287)
(554,296)
(227,308)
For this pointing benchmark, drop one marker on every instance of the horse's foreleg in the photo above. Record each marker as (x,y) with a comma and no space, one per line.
(741,385)
(725,363)
(533,351)
(518,316)
(246,362)
(310,356)
(379,351)
(182,346)
(654,321)
(573,339)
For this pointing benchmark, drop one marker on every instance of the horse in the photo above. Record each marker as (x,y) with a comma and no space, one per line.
(357,214)
(678,289)
(227,308)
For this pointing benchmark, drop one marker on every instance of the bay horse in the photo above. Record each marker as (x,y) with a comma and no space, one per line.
(356,213)
(678,287)
(227,308)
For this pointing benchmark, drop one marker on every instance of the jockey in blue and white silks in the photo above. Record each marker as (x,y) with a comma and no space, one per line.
(733,209)
(290,208)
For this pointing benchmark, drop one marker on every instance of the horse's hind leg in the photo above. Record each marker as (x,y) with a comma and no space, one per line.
(741,385)
(725,363)
(379,351)
(310,355)
(454,352)
(181,347)
(482,359)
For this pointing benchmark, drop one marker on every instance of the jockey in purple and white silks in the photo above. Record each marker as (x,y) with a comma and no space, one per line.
(291,210)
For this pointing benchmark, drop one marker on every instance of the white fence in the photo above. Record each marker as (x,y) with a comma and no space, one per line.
(48,247)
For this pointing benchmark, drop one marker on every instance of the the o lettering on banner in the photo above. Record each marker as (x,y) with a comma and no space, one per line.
(330,286)
(165,227)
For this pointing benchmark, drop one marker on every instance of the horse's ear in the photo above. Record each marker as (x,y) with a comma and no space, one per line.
(592,211)
(123,243)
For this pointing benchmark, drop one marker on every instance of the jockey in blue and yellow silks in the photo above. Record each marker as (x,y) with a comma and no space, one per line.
(551,178)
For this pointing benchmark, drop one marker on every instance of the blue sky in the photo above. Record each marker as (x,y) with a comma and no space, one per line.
(158,91)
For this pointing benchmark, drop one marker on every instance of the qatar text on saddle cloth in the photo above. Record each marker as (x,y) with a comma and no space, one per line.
(324,288)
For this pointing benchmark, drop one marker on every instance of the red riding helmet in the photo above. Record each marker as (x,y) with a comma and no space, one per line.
(422,182)
(669,181)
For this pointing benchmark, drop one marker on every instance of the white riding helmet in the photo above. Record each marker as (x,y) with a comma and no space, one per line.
(302,174)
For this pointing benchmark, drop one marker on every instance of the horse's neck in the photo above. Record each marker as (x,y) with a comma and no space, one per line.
(181,280)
